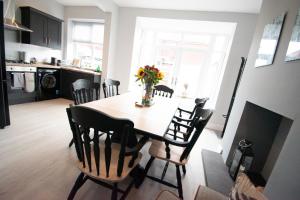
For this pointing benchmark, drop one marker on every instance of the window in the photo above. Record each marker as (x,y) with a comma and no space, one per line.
(87,42)
(192,54)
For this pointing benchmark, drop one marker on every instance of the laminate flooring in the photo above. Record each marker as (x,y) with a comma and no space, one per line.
(35,159)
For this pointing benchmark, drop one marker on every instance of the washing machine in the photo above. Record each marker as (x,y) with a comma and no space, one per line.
(48,83)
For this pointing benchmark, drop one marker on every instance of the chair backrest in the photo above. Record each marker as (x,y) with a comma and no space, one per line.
(110,88)
(86,125)
(84,91)
(81,84)
(199,103)
(200,123)
(163,90)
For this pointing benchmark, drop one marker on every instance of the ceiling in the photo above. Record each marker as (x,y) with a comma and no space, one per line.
(244,6)
(78,2)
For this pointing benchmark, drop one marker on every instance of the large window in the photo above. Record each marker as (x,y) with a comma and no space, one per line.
(192,54)
(87,43)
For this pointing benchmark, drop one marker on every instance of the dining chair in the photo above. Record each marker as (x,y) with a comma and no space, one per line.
(176,152)
(84,91)
(184,127)
(162,90)
(177,121)
(199,102)
(106,160)
(110,88)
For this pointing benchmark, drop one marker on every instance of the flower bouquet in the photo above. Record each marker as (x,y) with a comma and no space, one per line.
(149,77)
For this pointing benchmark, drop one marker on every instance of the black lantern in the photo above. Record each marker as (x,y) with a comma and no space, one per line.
(242,158)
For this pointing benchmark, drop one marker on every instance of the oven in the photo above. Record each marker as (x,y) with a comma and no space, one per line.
(21,84)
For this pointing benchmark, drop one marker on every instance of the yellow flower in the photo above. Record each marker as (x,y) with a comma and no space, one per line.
(160,75)
(140,73)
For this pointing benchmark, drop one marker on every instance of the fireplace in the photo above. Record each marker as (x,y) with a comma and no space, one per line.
(267,131)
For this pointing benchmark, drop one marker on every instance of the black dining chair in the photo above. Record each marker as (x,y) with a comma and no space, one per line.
(162,90)
(199,103)
(184,127)
(106,160)
(176,152)
(180,122)
(84,91)
(110,88)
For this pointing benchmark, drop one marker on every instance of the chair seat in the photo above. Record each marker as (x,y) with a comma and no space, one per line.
(113,177)
(158,150)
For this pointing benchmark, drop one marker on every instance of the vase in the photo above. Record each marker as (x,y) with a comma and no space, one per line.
(147,99)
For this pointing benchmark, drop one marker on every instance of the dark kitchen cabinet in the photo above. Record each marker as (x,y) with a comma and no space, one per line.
(70,76)
(46,28)
(54,34)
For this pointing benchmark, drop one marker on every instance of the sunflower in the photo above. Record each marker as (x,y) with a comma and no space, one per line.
(160,75)
(141,73)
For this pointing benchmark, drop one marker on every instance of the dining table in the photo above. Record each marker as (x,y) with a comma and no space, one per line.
(152,121)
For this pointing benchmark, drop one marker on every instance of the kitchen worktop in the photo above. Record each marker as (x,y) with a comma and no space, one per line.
(65,67)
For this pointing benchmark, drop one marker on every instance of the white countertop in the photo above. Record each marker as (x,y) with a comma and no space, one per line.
(42,65)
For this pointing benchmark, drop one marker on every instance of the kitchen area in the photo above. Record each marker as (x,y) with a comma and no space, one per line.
(45,54)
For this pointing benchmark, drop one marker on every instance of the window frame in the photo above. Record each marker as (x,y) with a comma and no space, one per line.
(92,45)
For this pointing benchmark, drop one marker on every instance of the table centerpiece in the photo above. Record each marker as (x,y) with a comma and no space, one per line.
(149,76)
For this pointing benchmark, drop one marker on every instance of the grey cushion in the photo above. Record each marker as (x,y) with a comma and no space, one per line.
(205,193)
(167,195)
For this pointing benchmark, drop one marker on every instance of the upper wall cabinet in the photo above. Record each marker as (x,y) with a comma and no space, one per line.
(46,28)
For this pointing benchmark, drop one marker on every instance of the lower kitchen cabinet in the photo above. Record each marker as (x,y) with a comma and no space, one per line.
(69,76)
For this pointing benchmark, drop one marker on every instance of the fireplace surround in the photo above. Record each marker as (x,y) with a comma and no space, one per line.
(267,131)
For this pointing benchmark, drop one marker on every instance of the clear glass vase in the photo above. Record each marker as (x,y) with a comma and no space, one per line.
(147,99)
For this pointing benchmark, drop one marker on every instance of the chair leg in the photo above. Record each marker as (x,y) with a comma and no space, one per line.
(141,179)
(148,165)
(114,195)
(183,169)
(165,170)
(123,197)
(138,174)
(185,138)
(78,183)
(179,185)
(71,142)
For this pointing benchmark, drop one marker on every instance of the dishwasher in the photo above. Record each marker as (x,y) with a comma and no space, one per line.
(21,84)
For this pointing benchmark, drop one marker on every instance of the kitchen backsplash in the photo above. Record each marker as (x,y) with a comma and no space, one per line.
(13,46)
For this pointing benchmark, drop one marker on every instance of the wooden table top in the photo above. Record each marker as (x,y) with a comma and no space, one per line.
(153,120)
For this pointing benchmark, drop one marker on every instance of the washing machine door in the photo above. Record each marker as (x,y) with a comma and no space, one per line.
(48,81)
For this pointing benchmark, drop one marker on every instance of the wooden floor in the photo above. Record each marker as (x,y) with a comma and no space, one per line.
(35,159)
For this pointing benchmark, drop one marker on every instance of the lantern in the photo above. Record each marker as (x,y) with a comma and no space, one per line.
(242,158)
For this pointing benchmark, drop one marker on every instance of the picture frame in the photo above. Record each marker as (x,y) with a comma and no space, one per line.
(269,41)
(293,51)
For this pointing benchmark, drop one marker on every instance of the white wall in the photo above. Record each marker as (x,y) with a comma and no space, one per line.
(92,13)
(240,47)
(276,88)
(82,13)
(111,8)
(12,38)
